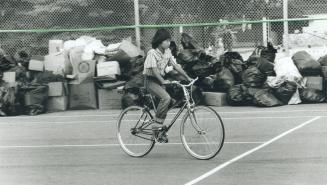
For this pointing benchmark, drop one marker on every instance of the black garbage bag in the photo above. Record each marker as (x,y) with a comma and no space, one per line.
(135,67)
(238,96)
(268,53)
(7,99)
(20,73)
(217,64)
(174,49)
(237,68)
(6,61)
(189,42)
(23,57)
(36,96)
(203,69)
(177,93)
(224,80)
(175,76)
(122,58)
(312,96)
(47,77)
(234,62)
(264,98)
(252,77)
(306,64)
(229,56)
(197,95)
(285,91)
(264,66)
(189,56)
(135,84)
(323,60)
(129,99)
(207,83)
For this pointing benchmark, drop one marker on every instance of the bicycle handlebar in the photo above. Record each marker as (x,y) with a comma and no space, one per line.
(188,85)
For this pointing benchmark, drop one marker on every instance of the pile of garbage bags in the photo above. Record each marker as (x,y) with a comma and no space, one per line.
(28,93)
(261,80)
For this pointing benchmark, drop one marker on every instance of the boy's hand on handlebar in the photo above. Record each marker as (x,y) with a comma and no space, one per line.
(166,82)
(189,79)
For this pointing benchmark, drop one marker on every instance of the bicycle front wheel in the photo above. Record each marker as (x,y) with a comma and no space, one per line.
(133,131)
(202,132)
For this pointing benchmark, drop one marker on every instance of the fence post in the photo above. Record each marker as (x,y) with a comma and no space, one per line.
(264,31)
(286,35)
(137,23)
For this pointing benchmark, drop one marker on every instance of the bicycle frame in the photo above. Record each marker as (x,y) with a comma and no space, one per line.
(189,103)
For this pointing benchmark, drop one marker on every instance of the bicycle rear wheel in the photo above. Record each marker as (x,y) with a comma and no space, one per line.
(202,132)
(134,131)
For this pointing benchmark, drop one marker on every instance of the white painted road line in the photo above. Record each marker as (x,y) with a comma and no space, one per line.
(168,119)
(170,113)
(218,168)
(107,145)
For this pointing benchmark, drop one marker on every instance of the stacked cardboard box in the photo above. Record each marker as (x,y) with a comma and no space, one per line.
(314,82)
(82,96)
(109,99)
(36,63)
(324,75)
(58,96)
(215,99)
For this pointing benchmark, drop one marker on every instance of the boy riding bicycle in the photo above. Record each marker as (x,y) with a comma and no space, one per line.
(159,60)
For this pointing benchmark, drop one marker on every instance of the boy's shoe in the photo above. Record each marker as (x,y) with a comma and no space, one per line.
(159,132)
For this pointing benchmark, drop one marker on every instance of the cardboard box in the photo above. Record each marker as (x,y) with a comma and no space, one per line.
(9,77)
(324,71)
(55,46)
(59,103)
(36,65)
(215,99)
(57,89)
(110,68)
(314,82)
(58,63)
(109,99)
(83,71)
(82,96)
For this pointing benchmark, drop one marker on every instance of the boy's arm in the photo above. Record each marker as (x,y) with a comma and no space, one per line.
(156,73)
(179,69)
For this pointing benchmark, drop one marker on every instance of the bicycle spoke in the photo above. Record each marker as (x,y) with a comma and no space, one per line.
(133,138)
(200,143)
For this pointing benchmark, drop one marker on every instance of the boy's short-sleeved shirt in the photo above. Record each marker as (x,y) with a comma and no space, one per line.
(156,59)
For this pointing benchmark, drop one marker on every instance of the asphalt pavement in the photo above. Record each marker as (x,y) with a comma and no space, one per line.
(281,145)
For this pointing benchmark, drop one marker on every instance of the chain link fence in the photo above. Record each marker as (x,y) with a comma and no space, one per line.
(29,24)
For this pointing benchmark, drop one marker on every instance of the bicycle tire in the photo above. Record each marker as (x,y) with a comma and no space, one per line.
(190,135)
(130,137)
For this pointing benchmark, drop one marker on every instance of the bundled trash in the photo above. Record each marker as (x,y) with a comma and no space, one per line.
(312,96)
(306,64)
(35,97)
(238,96)
(7,99)
(253,77)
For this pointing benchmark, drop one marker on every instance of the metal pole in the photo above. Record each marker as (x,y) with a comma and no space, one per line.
(285,35)
(137,23)
(264,31)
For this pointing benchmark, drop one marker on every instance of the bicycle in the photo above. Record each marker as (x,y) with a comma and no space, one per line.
(202,130)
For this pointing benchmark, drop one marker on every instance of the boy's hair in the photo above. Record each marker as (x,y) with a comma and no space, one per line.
(160,36)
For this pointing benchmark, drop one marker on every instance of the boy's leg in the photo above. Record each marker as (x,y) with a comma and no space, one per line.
(163,107)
